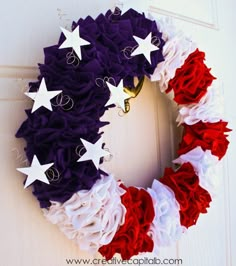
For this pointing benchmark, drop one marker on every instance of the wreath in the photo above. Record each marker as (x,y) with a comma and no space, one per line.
(91,69)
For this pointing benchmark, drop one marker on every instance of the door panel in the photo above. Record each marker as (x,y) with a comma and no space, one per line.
(35,25)
(200,12)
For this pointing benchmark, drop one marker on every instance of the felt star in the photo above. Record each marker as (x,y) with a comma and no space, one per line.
(118,96)
(42,97)
(35,172)
(94,152)
(145,47)
(73,40)
(139,6)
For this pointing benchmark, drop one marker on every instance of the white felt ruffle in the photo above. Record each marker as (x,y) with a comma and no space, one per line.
(175,51)
(206,167)
(209,109)
(90,217)
(165,228)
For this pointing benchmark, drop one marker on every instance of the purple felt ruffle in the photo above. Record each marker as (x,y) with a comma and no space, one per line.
(55,136)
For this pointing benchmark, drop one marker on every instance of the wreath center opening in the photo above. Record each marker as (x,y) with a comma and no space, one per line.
(143,141)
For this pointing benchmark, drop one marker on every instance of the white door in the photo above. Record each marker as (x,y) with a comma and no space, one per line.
(27,27)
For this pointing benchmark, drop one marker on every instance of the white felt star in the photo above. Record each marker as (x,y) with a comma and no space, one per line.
(42,97)
(145,47)
(35,172)
(94,152)
(73,40)
(118,96)
(139,6)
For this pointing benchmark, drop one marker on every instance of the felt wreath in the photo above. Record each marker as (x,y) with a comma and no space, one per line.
(91,69)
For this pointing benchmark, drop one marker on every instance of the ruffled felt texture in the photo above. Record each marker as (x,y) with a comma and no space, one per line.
(132,237)
(192,198)
(55,136)
(165,228)
(90,217)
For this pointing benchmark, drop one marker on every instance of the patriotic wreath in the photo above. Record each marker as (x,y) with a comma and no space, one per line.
(91,69)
